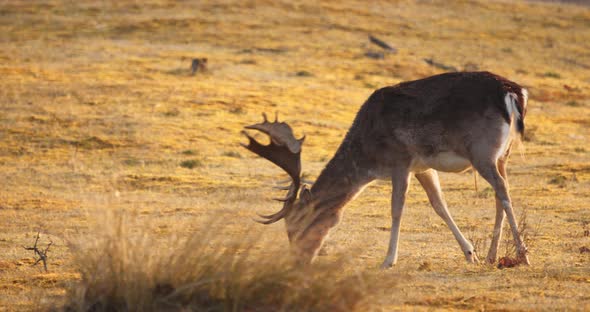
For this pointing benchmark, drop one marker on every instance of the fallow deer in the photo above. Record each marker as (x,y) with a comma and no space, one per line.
(449,122)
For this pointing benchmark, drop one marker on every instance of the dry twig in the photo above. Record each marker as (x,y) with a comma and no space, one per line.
(41,253)
(442,66)
(382,44)
(528,235)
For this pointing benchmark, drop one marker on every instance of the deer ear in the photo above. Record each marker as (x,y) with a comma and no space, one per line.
(305,195)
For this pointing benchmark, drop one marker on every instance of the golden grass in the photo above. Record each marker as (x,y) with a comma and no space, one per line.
(123,270)
(98,109)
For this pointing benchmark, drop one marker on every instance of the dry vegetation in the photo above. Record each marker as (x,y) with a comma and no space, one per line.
(99,111)
(126,270)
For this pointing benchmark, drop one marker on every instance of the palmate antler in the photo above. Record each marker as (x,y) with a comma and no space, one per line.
(284,151)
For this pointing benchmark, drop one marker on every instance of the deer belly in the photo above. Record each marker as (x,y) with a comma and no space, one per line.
(447,161)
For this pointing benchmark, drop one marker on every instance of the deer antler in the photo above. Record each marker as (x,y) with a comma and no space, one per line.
(284,151)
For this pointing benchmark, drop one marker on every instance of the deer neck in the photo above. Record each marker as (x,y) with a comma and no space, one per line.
(342,179)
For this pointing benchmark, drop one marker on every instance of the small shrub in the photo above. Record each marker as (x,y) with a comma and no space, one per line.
(191,163)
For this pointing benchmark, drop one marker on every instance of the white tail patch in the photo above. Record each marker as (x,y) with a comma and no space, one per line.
(511,99)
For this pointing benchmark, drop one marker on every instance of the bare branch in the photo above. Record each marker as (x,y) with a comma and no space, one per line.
(42,254)
(382,44)
(442,66)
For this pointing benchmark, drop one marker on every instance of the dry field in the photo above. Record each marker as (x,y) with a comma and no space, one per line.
(100,116)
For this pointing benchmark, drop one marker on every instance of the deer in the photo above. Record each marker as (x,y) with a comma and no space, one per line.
(450,122)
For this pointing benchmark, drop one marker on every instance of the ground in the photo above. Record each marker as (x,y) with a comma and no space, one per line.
(99,111)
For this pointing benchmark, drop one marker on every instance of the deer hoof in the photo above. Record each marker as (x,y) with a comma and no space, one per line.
(471,256)
(386,265)
(491,257)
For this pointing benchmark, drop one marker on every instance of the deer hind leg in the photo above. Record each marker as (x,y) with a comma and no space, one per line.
(500,215)
(430,183)
(400,181)
(488,169)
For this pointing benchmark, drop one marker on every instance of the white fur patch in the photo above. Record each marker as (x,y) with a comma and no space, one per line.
(447,162)
(504,139)
(510,100)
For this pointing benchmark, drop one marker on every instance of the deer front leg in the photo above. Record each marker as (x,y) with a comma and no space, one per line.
(400,182)
(430,183)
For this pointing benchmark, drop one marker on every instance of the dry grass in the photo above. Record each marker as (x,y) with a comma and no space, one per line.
(98,108)
(123,270)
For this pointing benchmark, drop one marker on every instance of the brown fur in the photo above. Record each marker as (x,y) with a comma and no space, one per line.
(398,126)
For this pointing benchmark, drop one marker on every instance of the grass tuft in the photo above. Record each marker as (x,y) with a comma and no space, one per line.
(131,162)
(191,163)
(238,110)
(122,269)
(573,104)
(551,74)
(303,73)
(559,180)
(189,152)
(174,112)
(232,154)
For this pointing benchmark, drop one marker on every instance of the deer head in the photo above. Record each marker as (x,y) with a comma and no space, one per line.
(284,151)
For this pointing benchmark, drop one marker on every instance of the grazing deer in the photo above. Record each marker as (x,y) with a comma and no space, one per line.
(449,122)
